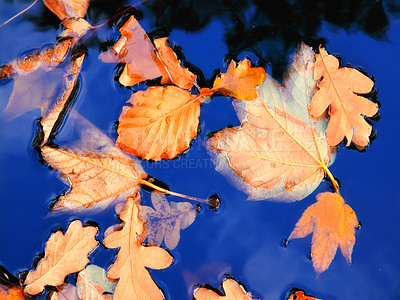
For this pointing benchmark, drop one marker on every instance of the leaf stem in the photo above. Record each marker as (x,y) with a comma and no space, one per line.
(18,14)
(160,189)
(334,182)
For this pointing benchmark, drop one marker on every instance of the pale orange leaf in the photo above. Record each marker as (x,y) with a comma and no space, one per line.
(94,178)
(339,90)
(160,123)
(232,289)
(64,254)
(240,81)
(333,224)
(136,50)
(172,70)
(55,114)
(65,9)
(278,152)
(133,259)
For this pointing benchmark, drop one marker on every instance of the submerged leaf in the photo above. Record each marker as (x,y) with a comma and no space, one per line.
(133,258)
(166,220)
(160,123)
(279,151)
(64,254)
(241,81)
(93,284)
(333,224)
(66,292)
(232,289)
(339,89)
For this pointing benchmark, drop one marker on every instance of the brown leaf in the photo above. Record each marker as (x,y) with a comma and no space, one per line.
(233,291)
(94,178)
(240,81)
(136,50)
(333,224)
(278,152)
(64,254)
(172,70)
(133,258)
(339,89)
(160,123)
(55,114)
(166,220)
(300,295)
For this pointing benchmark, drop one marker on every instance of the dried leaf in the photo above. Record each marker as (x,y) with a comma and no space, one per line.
(64,254)
(10,288)
(136,50)
(94,178)
(172,70)
(70,77)
(233,291)
(93,284)
(66,292)
(65,9)
(160,124)
(339,89)
(240,81)
(166,220)
(279,151)
(296,294)
(133,258)
(144,61)
(333,224)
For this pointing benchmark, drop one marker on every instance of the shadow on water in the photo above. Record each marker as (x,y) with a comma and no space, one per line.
(271,29)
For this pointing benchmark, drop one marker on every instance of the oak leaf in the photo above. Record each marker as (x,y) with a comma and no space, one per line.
(240,81)
(64,254)
(339,90)
(166,220)
(133,258)
(232,289)
(93,284)
(160,123)
(279,151)
(144,60)
(333,224)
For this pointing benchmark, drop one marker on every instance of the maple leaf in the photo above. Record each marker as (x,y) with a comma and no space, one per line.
(165,221)
(55,114)
(64,254)
(133,258)
(240,81)
(339,89)
(93,284)
(232,289)
(160,124)
(144,61)
(279,151)
(333,224)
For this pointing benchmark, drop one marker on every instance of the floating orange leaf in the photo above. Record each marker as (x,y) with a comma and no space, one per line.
(278,152)
(160,124)
(296,294)
(10,288)
(133,258)
(64,254)
(232,289)
(339,89)
(172,70)
(166,220)
(144,61)
(333,224)
(240,81)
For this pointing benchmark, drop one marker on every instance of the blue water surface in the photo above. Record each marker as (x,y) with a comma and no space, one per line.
(242,238)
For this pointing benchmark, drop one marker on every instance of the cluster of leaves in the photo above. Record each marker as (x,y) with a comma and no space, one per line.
(282,150)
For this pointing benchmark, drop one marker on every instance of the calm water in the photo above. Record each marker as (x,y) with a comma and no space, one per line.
(243,238)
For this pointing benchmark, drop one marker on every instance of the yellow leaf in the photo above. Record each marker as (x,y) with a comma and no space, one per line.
(64,254)
(241,81)
(333,224)
(133,258)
